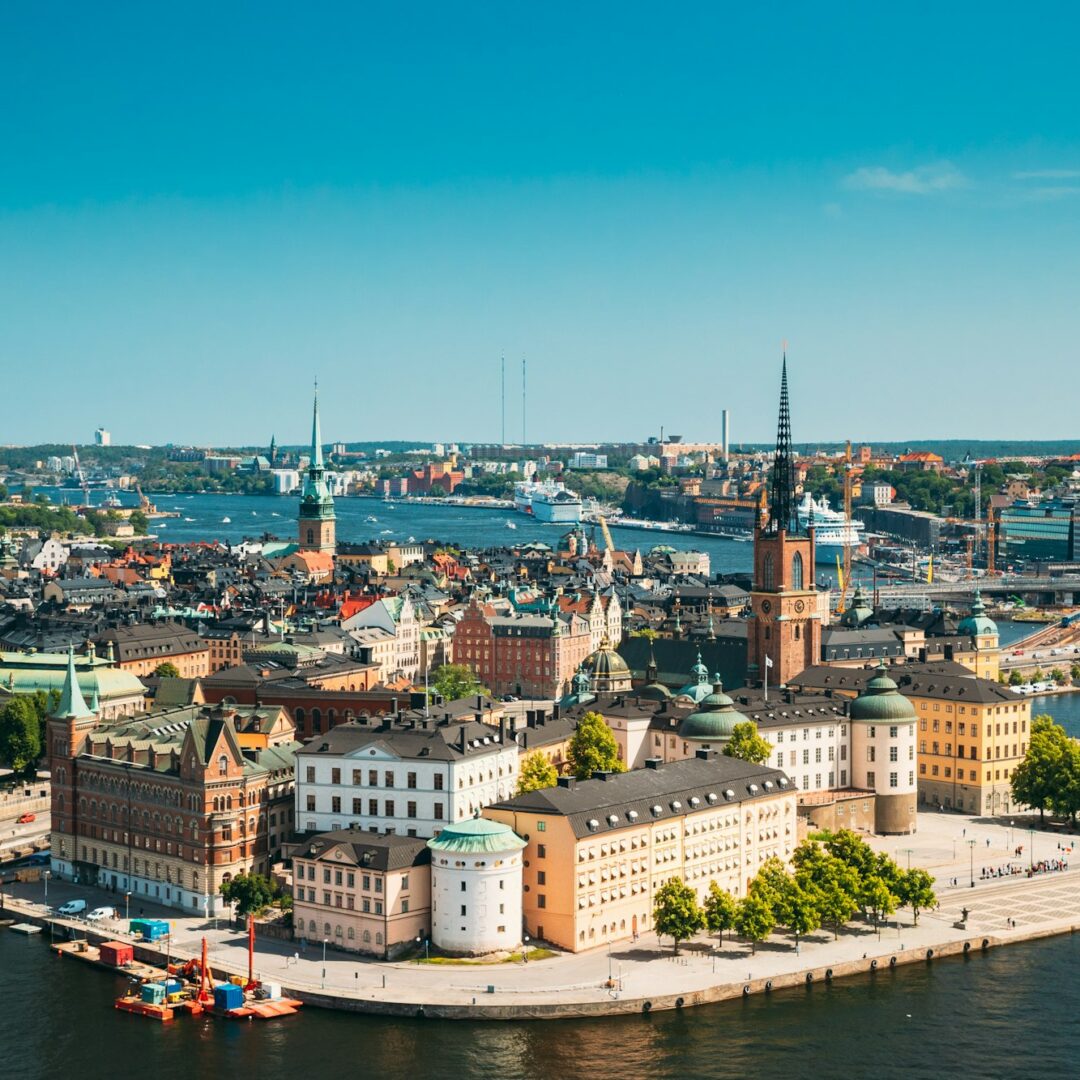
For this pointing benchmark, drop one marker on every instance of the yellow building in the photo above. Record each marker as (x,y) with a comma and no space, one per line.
(597,850)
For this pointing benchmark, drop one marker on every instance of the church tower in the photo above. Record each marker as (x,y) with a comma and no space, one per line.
(785,632)
(316,503)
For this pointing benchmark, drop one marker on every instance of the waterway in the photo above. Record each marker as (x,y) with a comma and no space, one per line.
(1011,1012)
(1064,708)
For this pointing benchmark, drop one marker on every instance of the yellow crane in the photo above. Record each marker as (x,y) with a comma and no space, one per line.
(606,533)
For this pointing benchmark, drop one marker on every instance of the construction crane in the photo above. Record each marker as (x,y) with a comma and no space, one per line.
(82,476)
(970,543)
(606,533)
(144,503)
(991,564)
(845,576)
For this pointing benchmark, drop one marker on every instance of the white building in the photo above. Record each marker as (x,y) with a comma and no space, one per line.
(695,563)
(396,615)
(409,777)
(286,481)
(103,437)
(585,460)
(476,872)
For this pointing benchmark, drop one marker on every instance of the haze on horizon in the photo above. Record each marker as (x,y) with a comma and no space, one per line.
(201,209)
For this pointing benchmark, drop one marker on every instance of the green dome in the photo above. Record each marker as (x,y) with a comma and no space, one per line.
(477,836)
(978,623)
(656,692)
(882,702)
(859,612)
(714,719)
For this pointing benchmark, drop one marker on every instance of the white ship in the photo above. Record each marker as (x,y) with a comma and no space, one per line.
(547,500)
(832,531)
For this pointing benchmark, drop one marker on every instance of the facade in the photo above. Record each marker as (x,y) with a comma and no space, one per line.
(1044,531)
(532,656)
(316,524)
(597,850)
(168,806)
(142,647)
(476,888)
(112,693)
(361,892)
(225,647)
(399,649)
(412,778)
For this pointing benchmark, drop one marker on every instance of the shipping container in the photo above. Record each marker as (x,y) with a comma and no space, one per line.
(228,996)
(153,993)
(117,953)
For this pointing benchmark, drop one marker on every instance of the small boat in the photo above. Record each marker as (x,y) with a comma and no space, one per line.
(385,532)
(372,518)
(226,521)
(274,513)
(189,519)
(412,540)
(511,525)
(254,513)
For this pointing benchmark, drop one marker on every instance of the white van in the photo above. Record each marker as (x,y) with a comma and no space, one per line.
(72,907)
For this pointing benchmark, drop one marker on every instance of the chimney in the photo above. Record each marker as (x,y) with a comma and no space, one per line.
(502,729)
(480,701)
(556,711)
(653,762)
(461,739)
(602,774)
(706,753)
(569,782)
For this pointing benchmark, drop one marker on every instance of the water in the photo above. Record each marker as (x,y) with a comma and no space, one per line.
(250,516)
(1011,1012)
(1064,708)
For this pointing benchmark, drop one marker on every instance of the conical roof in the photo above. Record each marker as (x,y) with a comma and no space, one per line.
(72,704)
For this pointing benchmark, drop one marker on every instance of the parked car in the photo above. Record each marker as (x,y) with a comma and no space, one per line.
(72,907)
(100,913)
(25,819)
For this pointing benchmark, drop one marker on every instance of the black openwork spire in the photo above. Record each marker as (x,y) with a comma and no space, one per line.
(782,504)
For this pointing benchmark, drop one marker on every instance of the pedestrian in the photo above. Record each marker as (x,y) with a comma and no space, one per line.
(988,841)
(965,831)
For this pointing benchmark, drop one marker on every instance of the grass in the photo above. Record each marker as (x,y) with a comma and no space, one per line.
(513,958)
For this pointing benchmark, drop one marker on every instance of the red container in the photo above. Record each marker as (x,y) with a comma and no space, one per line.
(116,953)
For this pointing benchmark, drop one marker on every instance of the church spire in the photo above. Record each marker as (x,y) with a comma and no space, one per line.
(316,433)
(782,501)
(72,704)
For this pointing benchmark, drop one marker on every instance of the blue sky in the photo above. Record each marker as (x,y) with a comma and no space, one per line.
(203,206)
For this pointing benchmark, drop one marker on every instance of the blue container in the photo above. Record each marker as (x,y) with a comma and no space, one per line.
(153,993)
(228,996)
(173,986)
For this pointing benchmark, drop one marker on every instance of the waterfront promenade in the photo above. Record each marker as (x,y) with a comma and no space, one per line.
(567,985)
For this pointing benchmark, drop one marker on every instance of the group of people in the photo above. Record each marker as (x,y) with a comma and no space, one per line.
(1048,866)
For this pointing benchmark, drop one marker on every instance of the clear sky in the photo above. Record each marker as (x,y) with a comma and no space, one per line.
(204,206)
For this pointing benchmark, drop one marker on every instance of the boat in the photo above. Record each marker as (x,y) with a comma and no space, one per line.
(226,521)
(189,519)
(511,525)
(548,501)
(112,500)
(372,519)
(832,531)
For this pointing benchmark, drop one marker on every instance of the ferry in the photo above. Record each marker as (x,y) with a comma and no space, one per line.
(548,501)
(832,531)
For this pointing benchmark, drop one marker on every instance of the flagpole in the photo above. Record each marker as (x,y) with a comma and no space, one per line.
(766,666)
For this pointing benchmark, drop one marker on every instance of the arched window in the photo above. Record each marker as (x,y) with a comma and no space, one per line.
(797,634)
(311,536)
(337,931)
(299,718)
(223,764)
(378,938)
(367,936)
(311,927)
(768,572)
(352,933)
(797,570)
(316,720)
(326,929)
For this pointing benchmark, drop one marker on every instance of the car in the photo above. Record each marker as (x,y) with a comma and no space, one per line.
(25,819)
(100,913)
(72,907)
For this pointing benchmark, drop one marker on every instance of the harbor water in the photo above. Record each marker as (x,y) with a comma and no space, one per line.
(1010,1012)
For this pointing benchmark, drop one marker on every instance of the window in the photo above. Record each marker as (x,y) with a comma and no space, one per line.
(438,782)
(541,851)
(870,779)
(357,777)
(894,753)
(797,571)
(410,809)
(404,882)
(438,811)
(892,779)
(389,778)
(541,901)
(411,780)
(373,778)
(335,804)
(541,826)
(311,774)
(389,807)
(223,765)
(768,572)
(541,877)
(373,807)
(404,907)
(358,806)
(870,751)
(335,776)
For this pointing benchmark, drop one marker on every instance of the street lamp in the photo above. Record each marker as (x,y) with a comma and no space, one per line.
(971,849)
(525,950)
(908,852)
(45,876)
(1011,824)
(325,941)
(1031,847)
(127,906)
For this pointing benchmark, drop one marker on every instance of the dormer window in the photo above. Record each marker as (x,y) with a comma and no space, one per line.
(223,765)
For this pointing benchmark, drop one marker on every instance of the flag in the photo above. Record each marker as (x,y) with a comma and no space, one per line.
(768,662)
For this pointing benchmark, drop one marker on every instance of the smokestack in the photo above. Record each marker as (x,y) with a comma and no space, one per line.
(725,432)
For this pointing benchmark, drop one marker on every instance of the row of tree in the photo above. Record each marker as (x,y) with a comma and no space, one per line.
(1057,675)
(834,877)
(1049,776)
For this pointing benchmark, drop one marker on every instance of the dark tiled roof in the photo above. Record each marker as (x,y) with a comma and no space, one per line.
(368,851)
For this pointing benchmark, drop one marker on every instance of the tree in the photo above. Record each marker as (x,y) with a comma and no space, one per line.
(720,908)
(455,681)
(1038,675)
(916,891)
(167,670)
(799,909)
(1015,678)
(593,748)
(830,880)
(754,919)
(1037,778)
(139,522)
(852,850)
(876,897)
(746,744)
(537,772)
(20,739)
(676,913)
(1066,797)
(1074,673)
(249,892)
(1058,676)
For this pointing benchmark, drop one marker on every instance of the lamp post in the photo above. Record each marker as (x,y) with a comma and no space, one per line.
(127,906)
(971,851)
(908,852)
(525,949)
(45,877)
(1011,824)
(1031,847)
(325,940)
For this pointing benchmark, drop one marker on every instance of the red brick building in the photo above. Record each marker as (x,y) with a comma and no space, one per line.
(526,655)
(169,805)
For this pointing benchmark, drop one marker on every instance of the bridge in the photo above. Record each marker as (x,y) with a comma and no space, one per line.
(1037,591)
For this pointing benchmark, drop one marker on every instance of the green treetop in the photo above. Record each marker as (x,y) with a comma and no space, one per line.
(536,772)
(456,681)
(676,913)
(755,919)
(593,748)
(720,908)
(916,891)
(745,743)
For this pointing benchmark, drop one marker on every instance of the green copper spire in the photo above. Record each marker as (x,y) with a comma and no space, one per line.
(316,433)
(316,500)
(72,704)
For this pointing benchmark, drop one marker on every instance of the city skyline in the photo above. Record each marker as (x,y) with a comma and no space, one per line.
(641,208)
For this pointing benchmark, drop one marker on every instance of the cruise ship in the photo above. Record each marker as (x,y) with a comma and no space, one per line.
(832,531)
(547,500)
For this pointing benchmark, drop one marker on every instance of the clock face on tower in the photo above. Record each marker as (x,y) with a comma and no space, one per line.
(766,606)
(799,606)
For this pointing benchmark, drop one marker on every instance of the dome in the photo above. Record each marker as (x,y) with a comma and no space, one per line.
(698,688)
(978,623)
(656,691)
(475,836)
(714,719)
(882,702)
(580,691)
(859,612)
(607,669)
